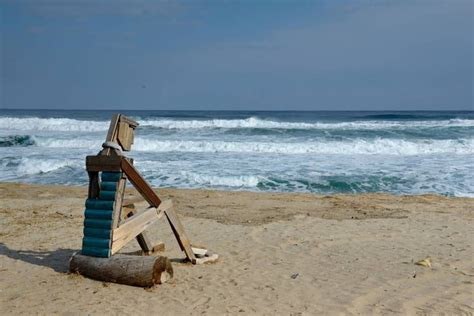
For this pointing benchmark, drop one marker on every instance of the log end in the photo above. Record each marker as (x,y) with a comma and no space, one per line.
(162,270)
(143,271)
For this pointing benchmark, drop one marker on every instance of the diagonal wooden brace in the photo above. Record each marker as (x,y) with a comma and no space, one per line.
(136,224)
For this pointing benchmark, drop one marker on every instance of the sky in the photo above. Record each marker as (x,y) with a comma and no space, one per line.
(237,55)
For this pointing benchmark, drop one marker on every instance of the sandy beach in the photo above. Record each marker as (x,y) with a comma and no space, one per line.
(284,254)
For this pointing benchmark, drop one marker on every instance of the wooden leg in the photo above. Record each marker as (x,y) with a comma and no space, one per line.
(180,235)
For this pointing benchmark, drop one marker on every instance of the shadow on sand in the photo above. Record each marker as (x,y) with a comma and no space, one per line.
(58,259)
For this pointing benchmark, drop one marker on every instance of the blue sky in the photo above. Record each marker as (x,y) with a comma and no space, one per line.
(232,55)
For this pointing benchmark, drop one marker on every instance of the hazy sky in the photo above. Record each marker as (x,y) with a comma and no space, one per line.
(262,54)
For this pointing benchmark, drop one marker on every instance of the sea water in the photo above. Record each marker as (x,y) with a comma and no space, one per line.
(321,152)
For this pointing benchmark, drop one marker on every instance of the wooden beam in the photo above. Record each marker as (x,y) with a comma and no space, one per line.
(103,163)
(94,188)
(142,186)
(124,136)
(118,202)
(112,133)
(133,226)
(129,121)
(180,234)
(143,239)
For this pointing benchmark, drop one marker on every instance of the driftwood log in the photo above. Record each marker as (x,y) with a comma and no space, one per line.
(144,271)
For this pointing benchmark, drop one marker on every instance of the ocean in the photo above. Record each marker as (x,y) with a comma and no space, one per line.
(320,152)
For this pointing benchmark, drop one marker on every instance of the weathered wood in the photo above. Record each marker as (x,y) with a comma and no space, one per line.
(180,234)
(142,186)
(144,271)
(103,163)
(94,188)
(131,227)
(111,133)
(124,136)
(143,239)
(118,201)
(129,121)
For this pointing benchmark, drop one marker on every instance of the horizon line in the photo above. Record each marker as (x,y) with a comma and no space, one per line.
(230,110)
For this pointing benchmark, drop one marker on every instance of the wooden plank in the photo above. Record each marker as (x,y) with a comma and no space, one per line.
(112,133)
(129,121)
(103,163)
(132,227)
(180,235)
(94,188)
(118,202)
(96,168)
(142,186)
(124,136)
(143,239)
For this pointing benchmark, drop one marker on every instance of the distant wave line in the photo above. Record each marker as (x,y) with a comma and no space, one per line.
(358,146)
(73,125)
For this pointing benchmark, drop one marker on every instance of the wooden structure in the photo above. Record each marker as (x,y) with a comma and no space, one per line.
(110,222)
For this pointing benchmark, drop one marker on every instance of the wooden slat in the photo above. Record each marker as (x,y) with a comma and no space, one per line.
(118,202)
(124,137)
(180,235)
(143,239)
(103,163)
(94,188)
(129,121)
(142,186)
(132,227)
(112,133)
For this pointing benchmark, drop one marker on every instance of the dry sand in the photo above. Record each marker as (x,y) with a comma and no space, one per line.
(289,254)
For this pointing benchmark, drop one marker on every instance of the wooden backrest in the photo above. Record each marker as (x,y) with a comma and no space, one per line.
(121,131)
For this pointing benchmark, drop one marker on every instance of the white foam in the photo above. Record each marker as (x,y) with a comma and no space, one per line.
(31,166)
(51,124)
(69,143)
(359,146)
(253,122)
(221,181)
(380,146)
(66,124)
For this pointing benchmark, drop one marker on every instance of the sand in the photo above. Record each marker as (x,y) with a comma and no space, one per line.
(290,254)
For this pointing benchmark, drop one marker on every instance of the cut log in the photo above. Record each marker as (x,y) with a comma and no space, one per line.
(144,271)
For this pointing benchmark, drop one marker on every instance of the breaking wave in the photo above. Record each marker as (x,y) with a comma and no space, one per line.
(16,140)
(30,166)
(358,146)
(71,125)
(256,123)
(51,124)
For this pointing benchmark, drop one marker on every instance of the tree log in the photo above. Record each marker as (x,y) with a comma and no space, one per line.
(144,271)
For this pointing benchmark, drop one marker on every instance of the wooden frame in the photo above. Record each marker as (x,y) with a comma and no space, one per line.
(132,224)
